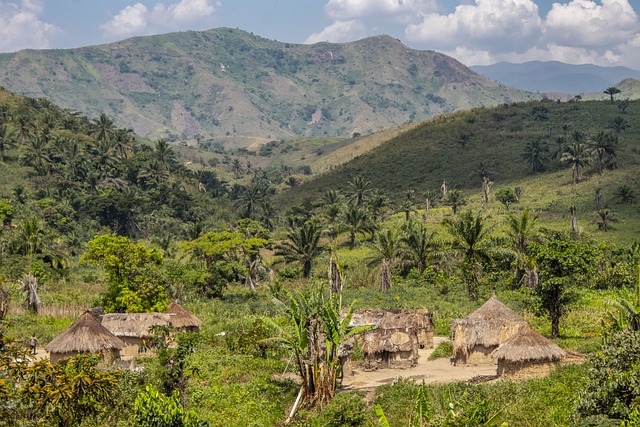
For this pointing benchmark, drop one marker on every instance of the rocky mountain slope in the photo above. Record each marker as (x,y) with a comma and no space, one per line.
(237,88)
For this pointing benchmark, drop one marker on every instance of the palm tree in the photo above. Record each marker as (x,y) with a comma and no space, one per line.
(455,198)
(377,202)
(618,125)
(331,203)
(356,220)
(359,190)
(472,240)
(407,206)
(536,154)
(104,129)
(577,156)
(387,251)
(303,245)
(626,309)
(36,154)
(164,154)
(603,144)
(24,129)
(236,168)
(520,233)
(7,140)
(605,216)
(250,200)
(418,245)
(611,91)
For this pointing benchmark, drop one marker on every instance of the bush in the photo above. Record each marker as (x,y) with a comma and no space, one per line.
(444,349)
(345,410)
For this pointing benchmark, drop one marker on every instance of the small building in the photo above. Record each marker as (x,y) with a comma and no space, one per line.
(397,336)
(135,329)
(527,354)
(481,332)
(85,335)
(182,320)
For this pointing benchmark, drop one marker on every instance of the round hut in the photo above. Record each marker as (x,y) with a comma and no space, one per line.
(182,320)
(527,354)
(481,332)
(422,322)
(85,335)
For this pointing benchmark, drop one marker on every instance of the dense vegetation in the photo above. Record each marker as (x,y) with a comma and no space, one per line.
(92,216)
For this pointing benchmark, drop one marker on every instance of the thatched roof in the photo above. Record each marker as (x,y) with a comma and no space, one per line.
(181,318)
(490,325)
(134,325)
(393,319)
(528,346)
(85,335)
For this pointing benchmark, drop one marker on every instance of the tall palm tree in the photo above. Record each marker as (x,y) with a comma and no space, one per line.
(24,128)
(377,202)
(387,247)
(455,199)
(7,140)
(611,91)
(472,240)
(103,128)
(618,125)
(603,144)
(520,233)
(236,168)
(359,190)
(36,154)
(418,245)
(577,156)
(536,154)
(164,154)
(356,220)
(303,246)
(250,200)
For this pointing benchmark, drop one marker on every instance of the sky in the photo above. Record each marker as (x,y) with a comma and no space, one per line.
(476,32)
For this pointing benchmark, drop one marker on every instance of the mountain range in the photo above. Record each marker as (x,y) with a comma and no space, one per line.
(239,89)
(554,76)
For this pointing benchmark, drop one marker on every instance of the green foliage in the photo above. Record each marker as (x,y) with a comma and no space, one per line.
(6,213)
(444,349)
(507,196)
(153,409)
(347,409)
(613,386)
(132,271)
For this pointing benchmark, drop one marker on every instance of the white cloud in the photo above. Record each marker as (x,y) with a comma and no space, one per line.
(138,19)
(584,23)
(500,25)
(21,27)
(339,32)
(350,9)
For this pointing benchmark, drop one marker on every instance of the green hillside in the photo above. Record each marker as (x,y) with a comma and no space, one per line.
(234,87)
(458,148)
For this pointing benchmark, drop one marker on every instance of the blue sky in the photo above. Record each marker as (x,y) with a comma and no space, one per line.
(603,32)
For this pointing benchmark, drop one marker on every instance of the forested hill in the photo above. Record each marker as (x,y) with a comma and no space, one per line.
(500,142)
(240,89)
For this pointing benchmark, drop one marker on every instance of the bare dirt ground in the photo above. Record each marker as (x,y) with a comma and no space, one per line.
(432,372)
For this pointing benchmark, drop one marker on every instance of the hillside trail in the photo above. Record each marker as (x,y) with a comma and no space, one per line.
(431,371)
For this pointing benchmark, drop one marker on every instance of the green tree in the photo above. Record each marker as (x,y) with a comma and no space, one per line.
(7,140)
(611,91)
(164,154)
(618,125)
(603,146)
(624,310)
(521,233)
(303,246)
(153,409)
(387,248)
(536,154)
(418,245)
(507,196)
(455,199)
(562,265)
(473,241)
(359,190)
(103,128)
(132,271)
(577,156)
(356,220)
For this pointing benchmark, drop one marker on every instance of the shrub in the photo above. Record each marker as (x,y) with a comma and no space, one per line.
(345,410)
(444,349)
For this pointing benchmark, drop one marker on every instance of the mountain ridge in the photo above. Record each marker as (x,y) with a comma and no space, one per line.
(241,89)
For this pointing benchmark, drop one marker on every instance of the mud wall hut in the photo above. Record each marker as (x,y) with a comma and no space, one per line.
(85,335)
(134,329)
(476,336)
(527,354)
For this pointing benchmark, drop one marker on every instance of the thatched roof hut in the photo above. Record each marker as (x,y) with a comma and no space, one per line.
(478,334)
(134,329)
(395,341)
(181,319)
(85,335)
(527,354)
